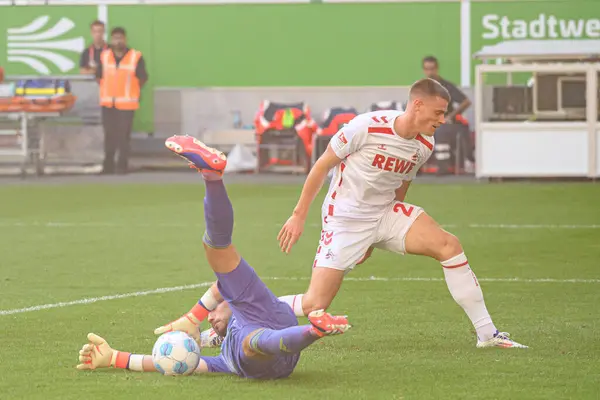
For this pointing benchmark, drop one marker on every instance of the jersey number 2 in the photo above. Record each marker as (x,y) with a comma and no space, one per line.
(406,211)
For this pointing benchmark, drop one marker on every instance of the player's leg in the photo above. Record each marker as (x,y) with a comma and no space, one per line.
(249,298)
(218,212)
(221,255)
(324,285)
(342,246)
(426,237)
(277,342)
(296,338)
(238,283)
(408,229)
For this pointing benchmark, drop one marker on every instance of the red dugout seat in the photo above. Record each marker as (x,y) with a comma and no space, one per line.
(284,128)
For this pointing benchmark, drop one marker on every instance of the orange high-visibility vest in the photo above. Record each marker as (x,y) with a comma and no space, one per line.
(119,86)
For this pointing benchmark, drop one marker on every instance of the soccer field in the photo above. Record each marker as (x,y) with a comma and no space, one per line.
(534,247)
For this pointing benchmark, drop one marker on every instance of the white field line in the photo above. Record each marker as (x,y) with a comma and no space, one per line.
(91,300)
(312,225)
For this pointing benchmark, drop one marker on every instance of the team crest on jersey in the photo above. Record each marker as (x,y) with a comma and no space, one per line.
(416,157)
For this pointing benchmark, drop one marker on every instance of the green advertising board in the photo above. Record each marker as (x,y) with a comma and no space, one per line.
(512,21)
(43,40)
(290,45)
(495,22)
(254,45)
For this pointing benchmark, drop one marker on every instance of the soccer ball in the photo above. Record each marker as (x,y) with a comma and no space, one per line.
(175,353)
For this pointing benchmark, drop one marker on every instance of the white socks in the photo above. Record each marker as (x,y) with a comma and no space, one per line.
(295,303)
(466,291)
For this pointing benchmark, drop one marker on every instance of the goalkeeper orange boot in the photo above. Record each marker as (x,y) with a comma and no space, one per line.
(199,155)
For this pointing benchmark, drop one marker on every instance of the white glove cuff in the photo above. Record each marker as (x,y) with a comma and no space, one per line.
(136,363)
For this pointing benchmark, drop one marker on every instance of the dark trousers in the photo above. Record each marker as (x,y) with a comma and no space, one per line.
(452,140)
(117,126)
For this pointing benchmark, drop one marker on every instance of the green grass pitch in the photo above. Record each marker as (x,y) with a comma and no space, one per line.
(409,341)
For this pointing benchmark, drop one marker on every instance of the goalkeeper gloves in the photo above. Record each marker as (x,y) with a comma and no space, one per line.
(98,354)
(189,323)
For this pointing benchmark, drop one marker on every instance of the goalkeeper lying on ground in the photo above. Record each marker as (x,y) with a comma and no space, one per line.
(262,336)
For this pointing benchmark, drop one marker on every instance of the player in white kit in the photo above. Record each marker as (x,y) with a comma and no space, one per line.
(376,156)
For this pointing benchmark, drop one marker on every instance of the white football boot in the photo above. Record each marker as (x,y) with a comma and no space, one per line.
(501,339)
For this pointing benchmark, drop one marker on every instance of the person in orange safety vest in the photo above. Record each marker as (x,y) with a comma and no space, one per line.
(121,75)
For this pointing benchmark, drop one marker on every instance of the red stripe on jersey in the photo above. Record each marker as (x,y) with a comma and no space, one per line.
(342,167)
(455,266)
(424,141)
(384,119)
(380,129)
(334,194)
(375,119)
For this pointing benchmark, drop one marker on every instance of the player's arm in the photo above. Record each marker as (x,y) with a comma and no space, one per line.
(348,140)
(291,231)
(190,322)
(97,353)
(314,181)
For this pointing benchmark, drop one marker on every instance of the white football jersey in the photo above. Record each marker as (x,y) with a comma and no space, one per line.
(376,161)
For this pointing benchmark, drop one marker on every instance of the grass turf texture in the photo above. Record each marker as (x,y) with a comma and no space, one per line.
(410,340)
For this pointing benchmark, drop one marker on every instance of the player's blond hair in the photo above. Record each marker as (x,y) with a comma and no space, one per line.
(428,87)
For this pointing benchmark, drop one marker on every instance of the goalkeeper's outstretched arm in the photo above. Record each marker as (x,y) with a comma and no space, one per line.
(97,353)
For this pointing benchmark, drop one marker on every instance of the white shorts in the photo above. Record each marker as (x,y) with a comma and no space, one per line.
(344,241)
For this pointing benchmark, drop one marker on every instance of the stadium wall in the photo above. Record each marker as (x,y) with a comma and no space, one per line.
(267,45)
